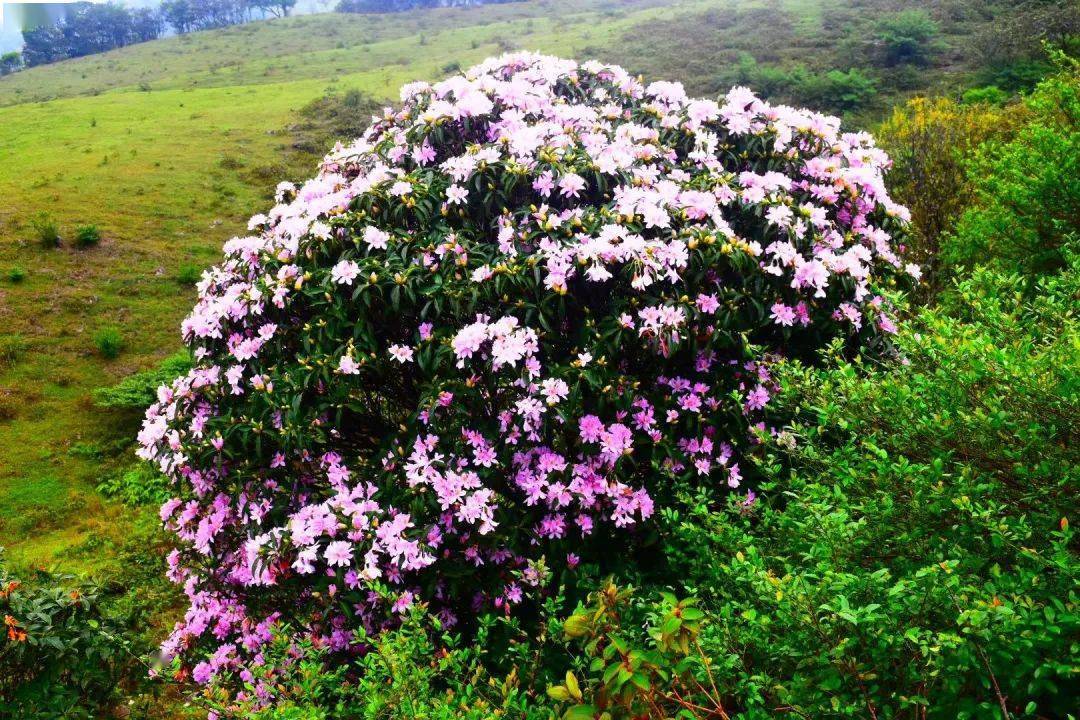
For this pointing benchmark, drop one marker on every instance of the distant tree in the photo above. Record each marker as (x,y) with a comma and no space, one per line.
(44,44)
(10,62)
(97,28)
(146,24)
(218,13)
(179,14)
(88,29)
(1019,34)
(186,16)
(277,8)
(907,36)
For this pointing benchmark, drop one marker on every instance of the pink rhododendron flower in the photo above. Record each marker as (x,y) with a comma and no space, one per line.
(455,195)
(782,314)
(571,185)
(348,366)
(401,353)
(375,238)
(344,272)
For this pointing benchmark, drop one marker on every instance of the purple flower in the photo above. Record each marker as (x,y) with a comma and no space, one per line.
(757,398)
(782,314)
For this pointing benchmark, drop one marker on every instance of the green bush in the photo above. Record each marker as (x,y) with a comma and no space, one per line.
(663,672)
(931,142)
(907,36)
(418,670)
(188,274)
(12,347)
(137,485)
(87,236)
(60,656)
(16,275)
(837,90)
(1026,197)
(912,546)
(332,118)
(139,391)
(46,230)
(989,95)
(109,342)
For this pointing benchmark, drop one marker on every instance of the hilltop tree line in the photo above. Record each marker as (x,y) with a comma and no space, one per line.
(87,29)
(382,6)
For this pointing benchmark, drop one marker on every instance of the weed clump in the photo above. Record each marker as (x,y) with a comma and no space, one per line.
(109,342)
(87,236)
(188,274)
(46,230)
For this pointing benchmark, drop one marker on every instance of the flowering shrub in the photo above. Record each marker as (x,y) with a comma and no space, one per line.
(489,337)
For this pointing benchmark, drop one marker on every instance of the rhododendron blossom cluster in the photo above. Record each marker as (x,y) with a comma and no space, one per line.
(490,337)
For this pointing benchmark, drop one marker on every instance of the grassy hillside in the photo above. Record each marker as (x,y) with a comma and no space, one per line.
(169,146)
(330,47)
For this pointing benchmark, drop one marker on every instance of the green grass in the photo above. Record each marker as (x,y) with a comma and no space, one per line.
(323,47)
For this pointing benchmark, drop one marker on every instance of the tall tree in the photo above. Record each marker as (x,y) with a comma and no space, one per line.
(277,8)
(44,44)
(10,62)
(146,24)
(180,15)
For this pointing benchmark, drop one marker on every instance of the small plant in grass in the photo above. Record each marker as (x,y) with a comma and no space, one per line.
(87,236)
(16,274)
(188,275)
(9,405)
(46,230)
(137,485)
(109,342)
(11,349)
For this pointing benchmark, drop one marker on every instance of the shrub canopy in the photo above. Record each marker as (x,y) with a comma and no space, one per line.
(493,337)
